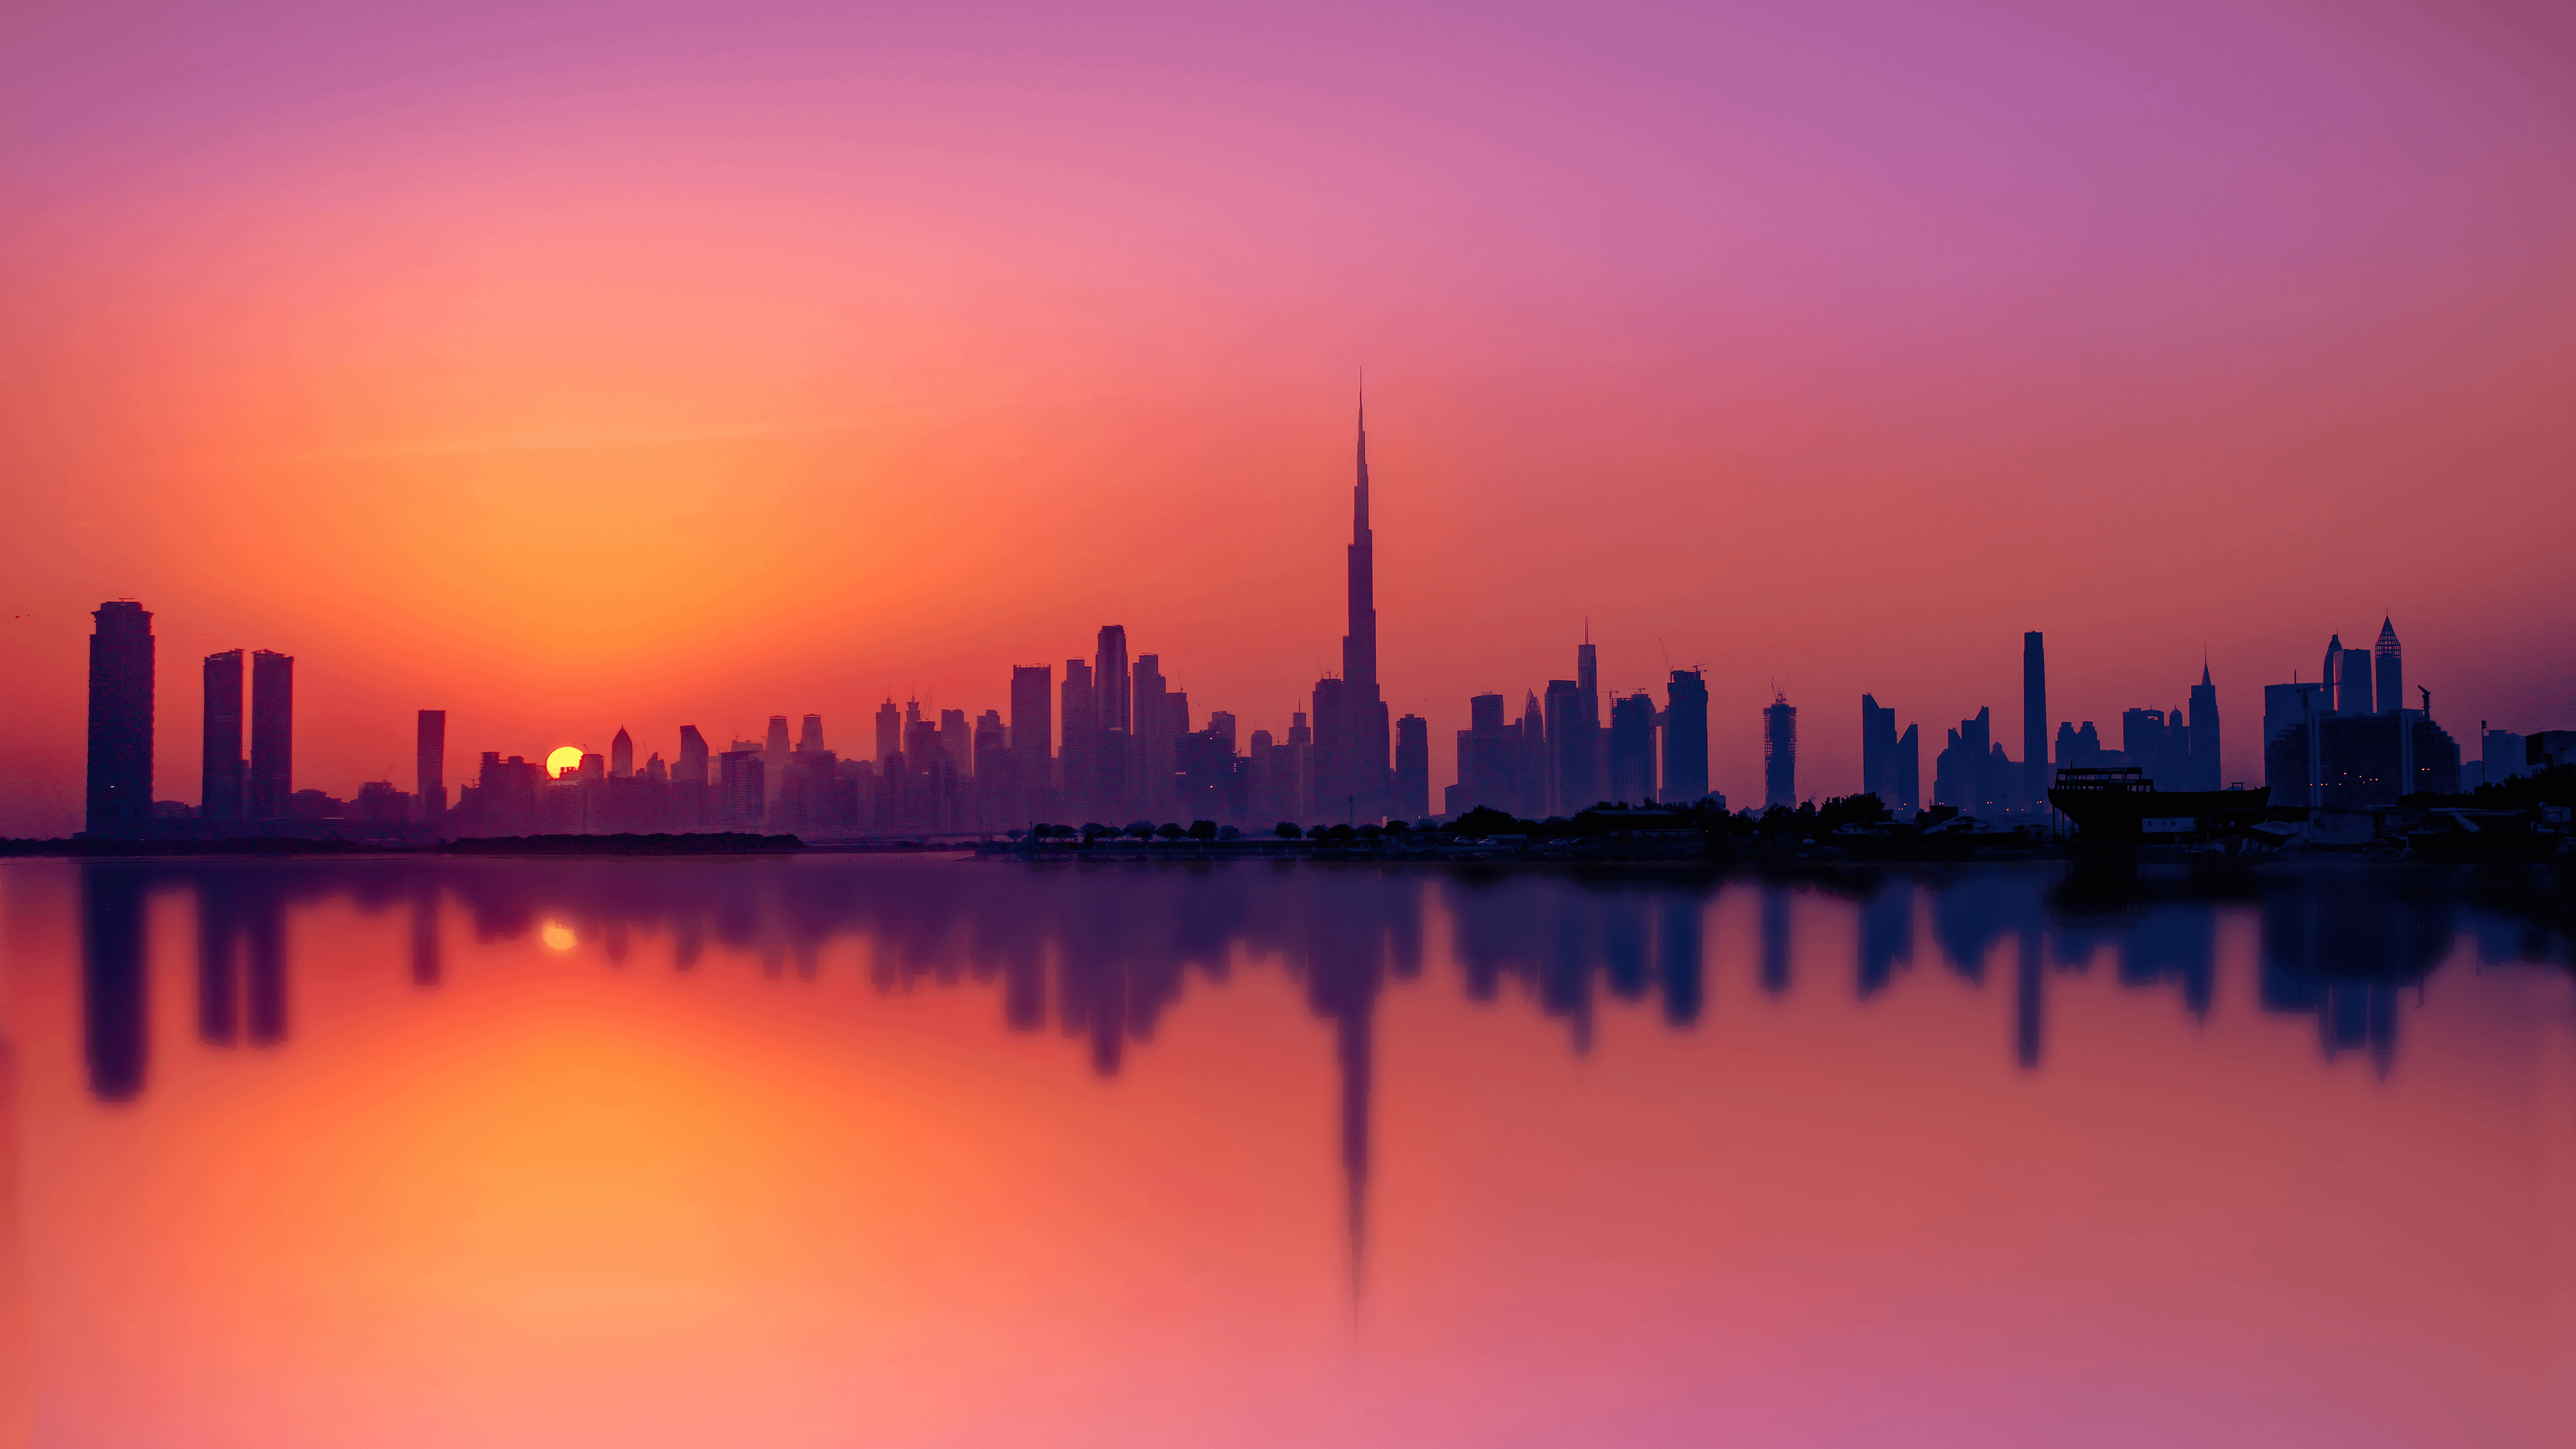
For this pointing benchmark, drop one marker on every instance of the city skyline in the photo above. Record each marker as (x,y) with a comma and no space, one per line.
(1120,744)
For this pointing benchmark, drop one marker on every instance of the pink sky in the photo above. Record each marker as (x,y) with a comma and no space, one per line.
(568,368)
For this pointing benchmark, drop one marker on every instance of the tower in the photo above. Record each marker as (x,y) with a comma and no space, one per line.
(773,760)
(1685,738)
(621,755)
(272,734)
(2034,719)
(1032,735)
(2388,669)
(1351,735)
(1780,752)
(219,793)
(429,764)
(2205,770)
(1113,697)
(1877,750)
(120,719)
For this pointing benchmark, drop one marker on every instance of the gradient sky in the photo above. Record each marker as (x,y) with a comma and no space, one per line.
(575,366)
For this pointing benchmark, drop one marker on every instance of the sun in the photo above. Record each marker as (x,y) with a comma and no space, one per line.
(564,761)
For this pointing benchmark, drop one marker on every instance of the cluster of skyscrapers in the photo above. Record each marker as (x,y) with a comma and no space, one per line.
(1114,742)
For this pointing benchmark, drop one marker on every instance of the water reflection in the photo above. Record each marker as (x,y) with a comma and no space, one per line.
(1104,952)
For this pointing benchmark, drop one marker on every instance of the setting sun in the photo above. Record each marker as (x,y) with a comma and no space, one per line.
(564,760)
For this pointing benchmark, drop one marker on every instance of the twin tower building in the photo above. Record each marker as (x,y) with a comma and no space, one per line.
(236,786)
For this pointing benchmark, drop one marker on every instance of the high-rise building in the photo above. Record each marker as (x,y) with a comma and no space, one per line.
(1538,768)
(773,759)
(1632,749)
(692,768)
(1112,686)
(2388,669)
(272,734)
(1877,750)
(1685,738)
(809,736)
(621,755)
(2203,733)
(1077,756)
(957,742)
(224,773)
(1569,768)
(1351,733)
(120,719)
(429,765)
(1150,702)
(1963,773)
(1033,737)
(1780,752)
(1909,772)
(741,794)
(2034,717)
(996,772)
(1412,769)
(2290,765)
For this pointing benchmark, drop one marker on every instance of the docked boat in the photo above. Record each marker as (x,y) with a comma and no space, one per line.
(2120,806)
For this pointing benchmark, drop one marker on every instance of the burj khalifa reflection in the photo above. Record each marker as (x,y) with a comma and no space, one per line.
(1103,951)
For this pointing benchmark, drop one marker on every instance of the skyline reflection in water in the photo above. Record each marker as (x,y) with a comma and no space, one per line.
(1331,1102)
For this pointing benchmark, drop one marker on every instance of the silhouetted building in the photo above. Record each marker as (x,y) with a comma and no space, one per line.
(741,790)
(2388,669)
(692,766)
(2202,742)
(120,719)
(2034,717)
(1780,752)
(621,755)
(224,774)
(1489,761)
(1077,757)
(996,772)
(1632,749)
(272,735)
(1877,750)
(429,765)
(1351,733)
(1962,773)
(1112,683)
(1685,738)
(773,758)
(1568,770)
(1412,769)
(1033,739)
(889,731)
(1150,703)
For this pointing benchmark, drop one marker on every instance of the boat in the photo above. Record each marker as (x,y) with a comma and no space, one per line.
(2119,807)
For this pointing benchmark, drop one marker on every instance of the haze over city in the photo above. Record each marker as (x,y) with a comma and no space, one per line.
(632,370)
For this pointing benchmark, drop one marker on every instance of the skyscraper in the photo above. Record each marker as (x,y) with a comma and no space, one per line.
(1685,738)
(2388,670)
(1154,733)
(809,737)
(773,760)
(1877,750)
(2204,772)
(1351,774)
(621,755)
(1075,757)
(120,719)
(889,731)
(1909,772)
(1568,772)
(1412,769)
(1111,685)
(223,774)
(272,734)
(1780,752)
(2034,717)
(1632,749)
(1033,736)
(692,768)
(429,764)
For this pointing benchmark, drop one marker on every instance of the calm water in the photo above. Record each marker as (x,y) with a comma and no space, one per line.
(905,1151)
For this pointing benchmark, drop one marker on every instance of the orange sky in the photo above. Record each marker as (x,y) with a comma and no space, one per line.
(571,368)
